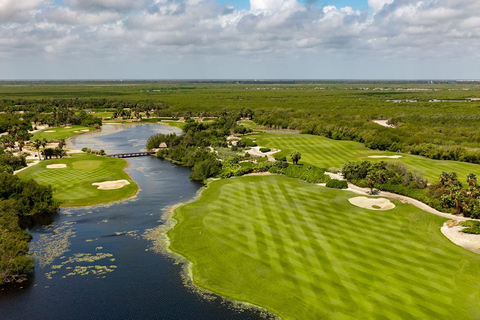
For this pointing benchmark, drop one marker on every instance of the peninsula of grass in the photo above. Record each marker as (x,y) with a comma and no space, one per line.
(304,252)
(73,184)
(60,132)
(326,153)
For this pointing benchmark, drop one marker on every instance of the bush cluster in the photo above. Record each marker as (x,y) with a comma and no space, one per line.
(337,184)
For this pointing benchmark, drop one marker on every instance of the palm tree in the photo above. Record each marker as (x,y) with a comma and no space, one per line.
(44,142)
(37,144)
(21,144)
(61,143)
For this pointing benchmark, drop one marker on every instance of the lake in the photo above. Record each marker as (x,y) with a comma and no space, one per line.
(94,263)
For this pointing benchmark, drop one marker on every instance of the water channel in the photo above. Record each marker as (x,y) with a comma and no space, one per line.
(93,263)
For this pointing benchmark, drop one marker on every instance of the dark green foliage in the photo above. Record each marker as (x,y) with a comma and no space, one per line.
(382,173)
(309,174)
(265,150)
(233,168)
(472,227)
(9,163)
(337,184)
(10,121)
(296,156)
(247,142)
(205,169)
(454,197)
(48,153)
(21,203)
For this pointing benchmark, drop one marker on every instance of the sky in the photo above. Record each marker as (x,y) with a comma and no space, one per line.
(239,39)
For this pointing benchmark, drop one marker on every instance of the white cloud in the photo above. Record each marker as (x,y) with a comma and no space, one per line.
(377,5)
(271,29)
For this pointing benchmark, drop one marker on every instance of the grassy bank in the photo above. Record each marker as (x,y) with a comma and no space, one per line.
(325,153)
(60,132)
(304,252)
(73,185)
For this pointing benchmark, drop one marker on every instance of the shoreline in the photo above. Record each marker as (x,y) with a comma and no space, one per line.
(186,273)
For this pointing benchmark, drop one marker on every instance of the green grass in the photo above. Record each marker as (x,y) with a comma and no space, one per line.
(73,185)
(60,133)
(249,124)
(325,153)
(303,251)
(104,114)
(177,124)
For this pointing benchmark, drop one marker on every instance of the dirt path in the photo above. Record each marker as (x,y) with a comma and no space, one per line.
(256,152)
(405,199)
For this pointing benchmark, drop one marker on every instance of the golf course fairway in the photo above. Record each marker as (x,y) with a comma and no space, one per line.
(325,153)
(73,184)
(302,251)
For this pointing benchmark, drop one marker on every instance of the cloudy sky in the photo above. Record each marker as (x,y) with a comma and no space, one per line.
(239,39)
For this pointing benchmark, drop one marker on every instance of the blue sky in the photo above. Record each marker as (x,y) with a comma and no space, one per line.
(263,39)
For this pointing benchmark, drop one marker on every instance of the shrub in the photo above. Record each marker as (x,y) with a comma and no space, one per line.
(337,184)
(309,174)
(249,142)
(472,227)
(265,150)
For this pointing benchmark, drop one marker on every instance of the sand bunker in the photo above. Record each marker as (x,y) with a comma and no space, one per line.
(85,130)
(388,157)
(57,166)
(49,131)
(67,127)
(452,231)
(111,185)
(372,203)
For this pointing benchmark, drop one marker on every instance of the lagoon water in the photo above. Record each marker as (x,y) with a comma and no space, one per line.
(94,263)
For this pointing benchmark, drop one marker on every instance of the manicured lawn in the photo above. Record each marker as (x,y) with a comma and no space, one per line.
(323,152)
(304,252)
(177,124)
(249,124)
(104,114)
(73,185)
(60,132)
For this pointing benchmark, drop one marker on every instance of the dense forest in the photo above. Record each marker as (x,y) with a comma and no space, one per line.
(436,120)
(21,203)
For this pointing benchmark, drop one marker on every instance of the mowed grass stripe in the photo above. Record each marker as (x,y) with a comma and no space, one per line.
(325,153)
(73,185)
(317,256)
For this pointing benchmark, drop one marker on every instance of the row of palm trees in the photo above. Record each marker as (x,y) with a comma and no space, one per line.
(49,152)
(466,200)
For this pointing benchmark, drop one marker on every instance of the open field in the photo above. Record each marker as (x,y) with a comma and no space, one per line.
(325,153)
(303,251)
(60,132)
(73,185)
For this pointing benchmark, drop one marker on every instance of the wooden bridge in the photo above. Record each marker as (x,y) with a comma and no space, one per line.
(132,154)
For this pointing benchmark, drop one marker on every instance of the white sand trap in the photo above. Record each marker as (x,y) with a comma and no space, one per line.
(49,131)
(67,127)
(76,131)
(453,232)
(85,130)
(57,166)
(111,185)
(372,203)
(384,123)
(387,157)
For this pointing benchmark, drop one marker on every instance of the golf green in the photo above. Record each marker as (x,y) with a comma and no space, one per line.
(73,184)
(60,132)
(325,153)
(304,252)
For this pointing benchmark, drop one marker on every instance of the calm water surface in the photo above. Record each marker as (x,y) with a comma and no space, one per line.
(94,263)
